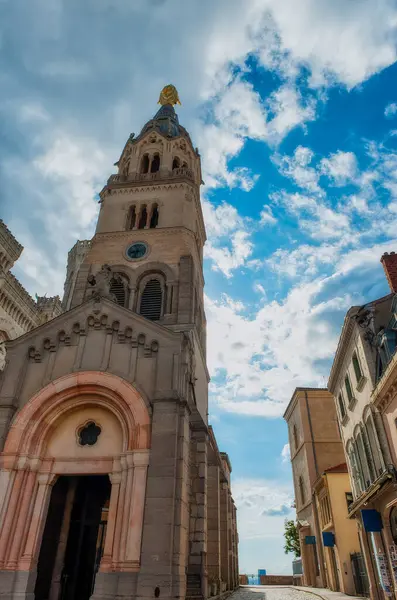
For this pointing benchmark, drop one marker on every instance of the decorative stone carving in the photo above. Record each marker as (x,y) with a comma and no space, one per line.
(101,283)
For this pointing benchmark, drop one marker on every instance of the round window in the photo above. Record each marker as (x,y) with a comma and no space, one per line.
(137,250)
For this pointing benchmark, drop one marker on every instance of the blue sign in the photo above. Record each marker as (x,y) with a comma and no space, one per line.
(328,539)
(261,572)
(310,540)
(372,520)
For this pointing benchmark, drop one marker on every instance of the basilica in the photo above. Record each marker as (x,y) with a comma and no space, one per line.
(111,481)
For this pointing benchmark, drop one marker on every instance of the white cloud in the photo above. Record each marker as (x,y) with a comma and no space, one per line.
(267,217)
(229,244)
(297,167)
(62,182)
(341,168)
(286,453)
(256,361)
(305,260)
(390,110)
(262,507)
(290,110)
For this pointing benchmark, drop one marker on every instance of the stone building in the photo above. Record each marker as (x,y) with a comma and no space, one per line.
(19,313)
(360,382)
(317,459)
(111,481)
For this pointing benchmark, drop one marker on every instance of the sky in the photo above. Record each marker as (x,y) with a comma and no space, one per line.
(293,107)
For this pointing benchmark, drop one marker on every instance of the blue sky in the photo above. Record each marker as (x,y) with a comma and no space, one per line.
(295,115)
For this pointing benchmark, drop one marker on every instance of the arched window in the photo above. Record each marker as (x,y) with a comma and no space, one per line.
(184,165)
(176,163)
(377,458)
(296,440)
(301,490)
(143,217)
(145,164)
(357,368)
(155,166)
(131,218)
(152,300)
(119,288)
(154,218)
(342,408)
(362,456)
(355,468)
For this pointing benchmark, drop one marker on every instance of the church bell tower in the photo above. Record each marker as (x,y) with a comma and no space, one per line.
(150,230)
(112,486)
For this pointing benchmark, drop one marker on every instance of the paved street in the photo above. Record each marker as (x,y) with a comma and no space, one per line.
(270,593)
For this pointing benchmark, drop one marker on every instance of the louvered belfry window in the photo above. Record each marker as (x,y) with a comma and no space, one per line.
(151,300)
(117,287)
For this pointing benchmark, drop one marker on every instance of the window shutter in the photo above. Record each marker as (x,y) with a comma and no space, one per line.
(151,300)
(118,289)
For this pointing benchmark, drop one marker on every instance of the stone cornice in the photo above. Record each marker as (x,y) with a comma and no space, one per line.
(341,351)
(137,187)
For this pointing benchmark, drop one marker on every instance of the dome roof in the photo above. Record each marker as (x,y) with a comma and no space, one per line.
(166,122)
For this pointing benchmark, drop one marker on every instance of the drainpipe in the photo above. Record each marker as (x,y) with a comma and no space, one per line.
(316,519)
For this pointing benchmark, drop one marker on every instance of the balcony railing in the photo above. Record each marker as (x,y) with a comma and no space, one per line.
(181,172)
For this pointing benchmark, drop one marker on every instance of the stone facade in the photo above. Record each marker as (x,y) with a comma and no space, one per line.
(19,313)
(316,449)
(361,381)
(103,409)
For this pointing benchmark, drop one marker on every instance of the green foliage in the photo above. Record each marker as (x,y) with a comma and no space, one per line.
(291,537)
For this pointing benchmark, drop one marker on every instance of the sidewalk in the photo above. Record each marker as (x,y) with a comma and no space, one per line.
(325,594)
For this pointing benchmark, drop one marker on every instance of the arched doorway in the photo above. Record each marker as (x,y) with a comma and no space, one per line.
(74,537)
(74,468)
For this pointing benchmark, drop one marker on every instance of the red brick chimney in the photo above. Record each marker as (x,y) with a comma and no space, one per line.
(389,262)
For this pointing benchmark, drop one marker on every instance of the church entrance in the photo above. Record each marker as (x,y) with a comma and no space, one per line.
(73,539)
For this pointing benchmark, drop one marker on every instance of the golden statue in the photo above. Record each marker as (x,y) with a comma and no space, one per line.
(169,95)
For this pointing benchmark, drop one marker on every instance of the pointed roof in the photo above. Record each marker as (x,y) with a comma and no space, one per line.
(166,122)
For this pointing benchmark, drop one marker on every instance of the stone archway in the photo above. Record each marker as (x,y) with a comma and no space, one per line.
(43,443)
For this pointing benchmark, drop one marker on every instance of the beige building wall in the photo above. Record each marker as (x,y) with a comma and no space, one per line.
(331,500)
(315,446)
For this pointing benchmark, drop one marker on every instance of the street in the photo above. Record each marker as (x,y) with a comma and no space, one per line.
(270,593)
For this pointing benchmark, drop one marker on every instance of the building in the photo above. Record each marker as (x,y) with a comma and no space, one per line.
(112,485)
(339,534)
(359,379)
(321,487)
(19,313)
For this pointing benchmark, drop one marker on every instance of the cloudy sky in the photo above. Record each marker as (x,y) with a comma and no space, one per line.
(293,106)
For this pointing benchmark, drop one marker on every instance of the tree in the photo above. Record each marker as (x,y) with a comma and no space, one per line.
(291,537)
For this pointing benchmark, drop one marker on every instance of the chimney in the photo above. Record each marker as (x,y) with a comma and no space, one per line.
(389,262)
